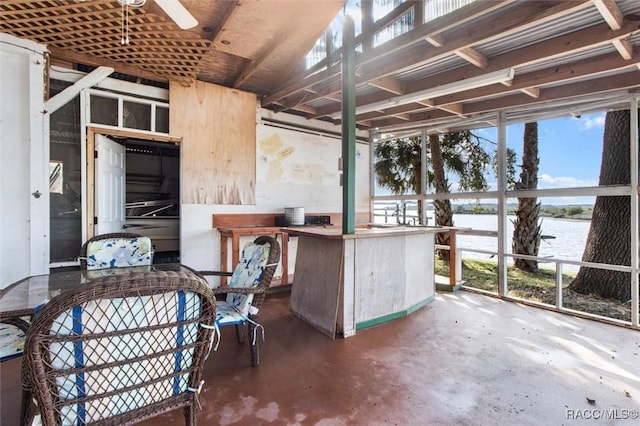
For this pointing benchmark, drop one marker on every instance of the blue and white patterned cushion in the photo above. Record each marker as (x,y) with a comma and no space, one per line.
(121,314)
(247,274)
(11,341)
(119,252)
(228,315)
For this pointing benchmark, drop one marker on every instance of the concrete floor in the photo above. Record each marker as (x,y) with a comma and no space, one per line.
(465,359)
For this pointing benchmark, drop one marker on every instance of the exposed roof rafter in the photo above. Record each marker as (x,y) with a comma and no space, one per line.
(610,12)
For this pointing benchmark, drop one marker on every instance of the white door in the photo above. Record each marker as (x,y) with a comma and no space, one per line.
(24,186)
(109,186)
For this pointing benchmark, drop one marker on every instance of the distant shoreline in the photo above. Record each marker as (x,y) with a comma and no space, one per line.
(542,215)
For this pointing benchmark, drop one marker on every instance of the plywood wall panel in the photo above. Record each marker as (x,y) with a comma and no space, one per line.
(218,130)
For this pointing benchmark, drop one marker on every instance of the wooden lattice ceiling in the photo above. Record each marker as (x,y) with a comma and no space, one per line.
(251,45)
(94,28)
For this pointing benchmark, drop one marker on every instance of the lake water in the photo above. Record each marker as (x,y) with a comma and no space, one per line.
(568,243)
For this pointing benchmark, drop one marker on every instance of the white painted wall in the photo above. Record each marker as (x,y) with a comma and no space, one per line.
(23,163)
(293,169)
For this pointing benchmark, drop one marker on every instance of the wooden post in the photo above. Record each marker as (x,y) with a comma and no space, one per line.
(452,258)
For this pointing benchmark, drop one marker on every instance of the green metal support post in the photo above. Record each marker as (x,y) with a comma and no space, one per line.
(348,127)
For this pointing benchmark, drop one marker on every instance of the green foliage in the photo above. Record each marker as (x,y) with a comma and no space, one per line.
(398,162)
(511,168)
(565,211)
(575,210)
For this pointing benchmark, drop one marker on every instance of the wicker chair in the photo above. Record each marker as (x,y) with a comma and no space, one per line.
(246,291)
(121,350)
(12,334)
(118,249)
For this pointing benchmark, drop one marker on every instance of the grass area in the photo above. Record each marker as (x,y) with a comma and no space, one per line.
(538,286)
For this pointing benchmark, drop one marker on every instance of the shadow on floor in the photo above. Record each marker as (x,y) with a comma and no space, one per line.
(465,359)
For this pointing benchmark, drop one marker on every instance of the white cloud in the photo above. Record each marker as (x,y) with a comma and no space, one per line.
(594,121)
(546,181)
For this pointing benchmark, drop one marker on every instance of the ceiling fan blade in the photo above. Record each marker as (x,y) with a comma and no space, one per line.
(176,11)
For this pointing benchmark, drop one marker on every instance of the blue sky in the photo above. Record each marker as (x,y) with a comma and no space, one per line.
(570,151)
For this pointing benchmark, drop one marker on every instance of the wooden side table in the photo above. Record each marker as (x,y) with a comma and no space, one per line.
(236,233)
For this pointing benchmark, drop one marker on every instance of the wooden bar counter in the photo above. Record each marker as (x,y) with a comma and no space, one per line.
(348,282)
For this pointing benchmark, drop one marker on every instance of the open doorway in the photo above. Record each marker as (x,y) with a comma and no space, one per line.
(153,195)
(137,189)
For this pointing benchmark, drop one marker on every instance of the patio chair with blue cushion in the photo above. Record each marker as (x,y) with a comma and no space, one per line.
(246,291)
(116,250)
(120,350)
(12,333)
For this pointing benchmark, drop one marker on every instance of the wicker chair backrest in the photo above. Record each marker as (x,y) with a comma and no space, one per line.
(123,349)
(248,273)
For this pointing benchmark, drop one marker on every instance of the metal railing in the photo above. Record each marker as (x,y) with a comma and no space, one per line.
(558,268)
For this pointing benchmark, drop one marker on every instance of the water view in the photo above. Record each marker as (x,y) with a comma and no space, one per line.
(562,238)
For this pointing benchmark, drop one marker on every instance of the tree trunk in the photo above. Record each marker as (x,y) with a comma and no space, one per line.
(444,214)
(609,239)
(526,231)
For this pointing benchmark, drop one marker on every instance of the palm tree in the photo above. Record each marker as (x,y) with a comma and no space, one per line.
(444,214)
(526,230)
(399,163)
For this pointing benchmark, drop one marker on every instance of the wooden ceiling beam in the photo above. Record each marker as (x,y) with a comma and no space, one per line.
(435,39)
(392,16)
(216,36)
(389,84)
(554,75)
(456,109)
(576,90)
(610,12)
(334,97)
(391,112)
(416,118)
(66,55)
(361,100)
(551,93)
(266,54)
(534,92)
(303,95)
(453,19)
(405,117)
(527,15)
(305,108)
(568,43)
(594,86)
(472,56)
(624,48)
(576,41)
